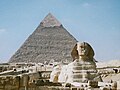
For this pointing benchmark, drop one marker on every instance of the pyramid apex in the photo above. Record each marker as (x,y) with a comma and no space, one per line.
(49,14)
(50,21)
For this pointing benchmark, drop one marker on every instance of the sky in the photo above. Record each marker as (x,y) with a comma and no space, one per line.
(94,21)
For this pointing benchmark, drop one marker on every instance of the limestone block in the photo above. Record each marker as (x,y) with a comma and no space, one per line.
(93,84)
(55,74)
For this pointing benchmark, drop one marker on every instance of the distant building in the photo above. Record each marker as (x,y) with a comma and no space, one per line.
(50,41)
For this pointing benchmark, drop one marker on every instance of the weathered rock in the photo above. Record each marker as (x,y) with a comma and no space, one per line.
(83,68)
(55,74)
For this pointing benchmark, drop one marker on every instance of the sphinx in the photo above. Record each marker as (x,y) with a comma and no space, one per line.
(82,68)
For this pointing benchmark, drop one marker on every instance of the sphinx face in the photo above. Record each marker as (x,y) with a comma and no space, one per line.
(82,49)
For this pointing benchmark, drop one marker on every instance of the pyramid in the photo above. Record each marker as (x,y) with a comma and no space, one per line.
(50,41)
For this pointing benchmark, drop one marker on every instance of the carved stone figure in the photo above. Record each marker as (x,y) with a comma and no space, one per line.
(82,51)
(83,67)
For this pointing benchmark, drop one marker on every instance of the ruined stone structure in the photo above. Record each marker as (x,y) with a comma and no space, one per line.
(50,41)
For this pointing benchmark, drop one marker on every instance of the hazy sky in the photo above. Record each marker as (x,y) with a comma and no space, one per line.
(94,21)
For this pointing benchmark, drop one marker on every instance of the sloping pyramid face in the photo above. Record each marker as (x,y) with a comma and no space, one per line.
(50,41)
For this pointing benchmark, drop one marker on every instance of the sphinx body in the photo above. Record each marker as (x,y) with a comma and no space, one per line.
(79,71)
(83,67)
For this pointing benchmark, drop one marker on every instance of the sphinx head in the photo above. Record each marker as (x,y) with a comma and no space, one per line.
(82,51)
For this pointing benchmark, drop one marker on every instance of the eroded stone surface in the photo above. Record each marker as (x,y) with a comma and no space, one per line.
(82,69)
(50,21)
